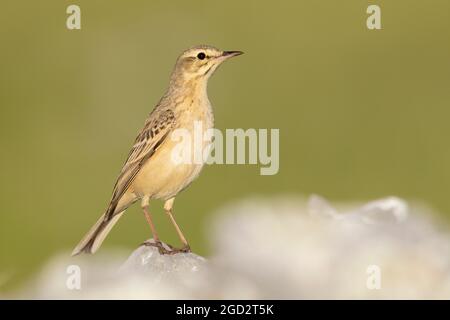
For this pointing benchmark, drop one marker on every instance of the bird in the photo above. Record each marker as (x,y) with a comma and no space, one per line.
(150,171)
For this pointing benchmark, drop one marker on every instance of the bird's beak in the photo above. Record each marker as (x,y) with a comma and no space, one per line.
(229,54)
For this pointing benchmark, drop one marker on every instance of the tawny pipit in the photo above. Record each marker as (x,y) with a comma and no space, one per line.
(150,172)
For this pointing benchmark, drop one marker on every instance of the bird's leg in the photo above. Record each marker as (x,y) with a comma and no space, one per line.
(148,217)
(168,205)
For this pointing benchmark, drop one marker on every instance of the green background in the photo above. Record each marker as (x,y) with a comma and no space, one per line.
(362,114)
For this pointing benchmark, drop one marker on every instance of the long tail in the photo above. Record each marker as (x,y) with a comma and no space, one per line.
(94,238)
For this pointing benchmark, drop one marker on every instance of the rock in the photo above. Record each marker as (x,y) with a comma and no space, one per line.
(272,249)
(147,261)
(386,210)
(379,250)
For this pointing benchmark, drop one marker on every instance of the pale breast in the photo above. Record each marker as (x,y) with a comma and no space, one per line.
(166,173)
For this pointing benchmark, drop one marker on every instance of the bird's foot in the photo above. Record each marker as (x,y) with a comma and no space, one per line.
(185,249)
(173,250)
(165,248)
(159,245)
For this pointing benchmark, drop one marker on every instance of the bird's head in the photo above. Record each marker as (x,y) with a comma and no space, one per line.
(200,62)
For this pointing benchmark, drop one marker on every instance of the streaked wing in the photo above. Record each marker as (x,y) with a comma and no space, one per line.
(155,131)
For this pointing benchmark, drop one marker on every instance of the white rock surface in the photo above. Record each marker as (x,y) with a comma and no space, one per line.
(147,260)
(390,209)
(146,274)
(277,248)
(330,253)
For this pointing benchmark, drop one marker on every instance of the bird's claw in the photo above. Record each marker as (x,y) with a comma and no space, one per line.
(185,249)
(163,250)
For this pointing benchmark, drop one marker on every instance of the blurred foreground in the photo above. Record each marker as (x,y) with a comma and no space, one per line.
(272,249)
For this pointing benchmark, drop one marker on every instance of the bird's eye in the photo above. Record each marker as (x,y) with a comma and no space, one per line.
(201,55)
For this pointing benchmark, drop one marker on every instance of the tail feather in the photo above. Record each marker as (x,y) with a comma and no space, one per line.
(95,236)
